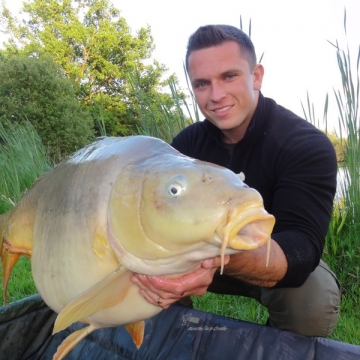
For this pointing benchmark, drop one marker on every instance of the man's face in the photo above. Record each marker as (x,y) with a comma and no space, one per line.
(225,87)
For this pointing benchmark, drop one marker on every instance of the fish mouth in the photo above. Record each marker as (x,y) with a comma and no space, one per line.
(247,228)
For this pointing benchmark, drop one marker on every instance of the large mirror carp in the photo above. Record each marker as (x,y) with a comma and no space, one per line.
(119,206)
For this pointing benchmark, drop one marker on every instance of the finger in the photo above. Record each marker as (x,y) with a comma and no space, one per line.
(150,286)
(191,284)
(215,262)
(144,283)
(156,300)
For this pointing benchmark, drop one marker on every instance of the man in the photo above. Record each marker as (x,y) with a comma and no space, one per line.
(291,164)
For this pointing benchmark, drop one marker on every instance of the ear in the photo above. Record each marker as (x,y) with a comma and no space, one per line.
(258,76)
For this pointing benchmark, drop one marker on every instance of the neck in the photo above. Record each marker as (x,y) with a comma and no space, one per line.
(231,136)
(227,139)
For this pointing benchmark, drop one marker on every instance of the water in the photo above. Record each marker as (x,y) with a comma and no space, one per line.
(341,178)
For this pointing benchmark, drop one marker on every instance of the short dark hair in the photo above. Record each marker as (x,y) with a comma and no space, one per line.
(213,35)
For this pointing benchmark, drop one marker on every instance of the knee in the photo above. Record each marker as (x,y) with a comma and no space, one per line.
(311,310)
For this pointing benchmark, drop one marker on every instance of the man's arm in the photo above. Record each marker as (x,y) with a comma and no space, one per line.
(250,266)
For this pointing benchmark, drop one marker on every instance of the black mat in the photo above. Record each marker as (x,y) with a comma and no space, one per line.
(177,333)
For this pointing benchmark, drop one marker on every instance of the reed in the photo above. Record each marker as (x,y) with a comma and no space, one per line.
(347,100)
(22,160)
(342,246)
(162,117)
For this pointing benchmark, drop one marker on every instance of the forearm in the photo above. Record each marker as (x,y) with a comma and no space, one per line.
(250,266)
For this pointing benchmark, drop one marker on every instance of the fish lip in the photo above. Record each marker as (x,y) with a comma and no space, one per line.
(241,218)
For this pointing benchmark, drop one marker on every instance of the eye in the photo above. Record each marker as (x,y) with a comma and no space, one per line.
(175,190)
(230,76)
(200,84)
(176,186)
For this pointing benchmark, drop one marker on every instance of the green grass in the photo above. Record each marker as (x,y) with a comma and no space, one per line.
(235,307)
(250,310)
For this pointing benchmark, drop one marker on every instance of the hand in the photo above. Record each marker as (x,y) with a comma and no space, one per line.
(162,291)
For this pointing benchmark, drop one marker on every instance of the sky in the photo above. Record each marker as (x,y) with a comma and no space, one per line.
(293,37)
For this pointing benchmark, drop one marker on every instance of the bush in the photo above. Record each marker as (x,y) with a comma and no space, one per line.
(36,90)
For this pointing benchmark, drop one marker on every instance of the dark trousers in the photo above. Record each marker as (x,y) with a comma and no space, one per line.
(311,309)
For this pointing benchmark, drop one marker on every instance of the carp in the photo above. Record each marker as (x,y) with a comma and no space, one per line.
(119,206)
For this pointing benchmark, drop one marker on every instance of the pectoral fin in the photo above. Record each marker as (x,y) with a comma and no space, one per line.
(71,341)
(136,330)
(106,293)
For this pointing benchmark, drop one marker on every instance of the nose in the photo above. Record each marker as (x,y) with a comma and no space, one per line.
(217,92)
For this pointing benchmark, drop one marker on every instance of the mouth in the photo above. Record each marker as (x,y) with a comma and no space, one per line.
(247,228)
(221,110)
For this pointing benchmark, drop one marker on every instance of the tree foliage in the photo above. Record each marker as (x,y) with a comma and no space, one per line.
(339,146)
(93,45)
(36,90)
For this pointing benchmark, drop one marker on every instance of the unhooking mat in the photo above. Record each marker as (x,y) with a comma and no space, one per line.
(177,333)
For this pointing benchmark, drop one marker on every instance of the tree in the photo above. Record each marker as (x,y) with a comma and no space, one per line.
(339,146)
(36,90)
(94,46)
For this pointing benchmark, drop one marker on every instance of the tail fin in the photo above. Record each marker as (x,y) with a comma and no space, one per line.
(8,262)
(9,254)
(2,224)
(4,257)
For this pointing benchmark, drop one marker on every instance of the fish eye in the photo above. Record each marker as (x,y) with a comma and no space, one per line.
(175,190)
(176,186)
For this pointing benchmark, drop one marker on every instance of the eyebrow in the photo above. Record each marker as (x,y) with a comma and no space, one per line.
(194,81)
(224,73)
